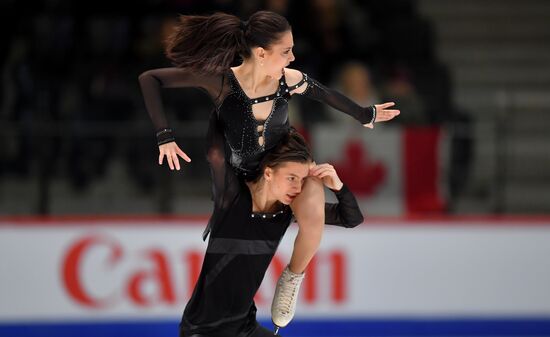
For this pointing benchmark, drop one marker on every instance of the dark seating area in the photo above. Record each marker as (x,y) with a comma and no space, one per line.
(71,108)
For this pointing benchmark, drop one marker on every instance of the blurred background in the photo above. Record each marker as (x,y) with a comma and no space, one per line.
(471,77)
(471,146)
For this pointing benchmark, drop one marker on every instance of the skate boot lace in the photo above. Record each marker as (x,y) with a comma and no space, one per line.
(288,293)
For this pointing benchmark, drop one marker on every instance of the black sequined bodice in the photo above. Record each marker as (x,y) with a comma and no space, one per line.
(245,138)
(243,131)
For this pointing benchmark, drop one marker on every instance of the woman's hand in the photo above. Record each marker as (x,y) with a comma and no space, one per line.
(172,151)
(383,113)
(328,175)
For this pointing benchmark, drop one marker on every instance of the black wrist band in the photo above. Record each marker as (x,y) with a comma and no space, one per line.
(369,115)
(165,136)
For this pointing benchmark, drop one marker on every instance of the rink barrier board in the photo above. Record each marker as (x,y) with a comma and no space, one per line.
(531,325)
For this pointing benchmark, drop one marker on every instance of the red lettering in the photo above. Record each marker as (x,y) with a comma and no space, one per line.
(338,263)
(310,281)
(154,284)
(337,279)
(160,274)
(71,272)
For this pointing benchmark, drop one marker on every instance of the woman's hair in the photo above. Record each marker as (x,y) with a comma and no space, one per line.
(210,44)
(291,148)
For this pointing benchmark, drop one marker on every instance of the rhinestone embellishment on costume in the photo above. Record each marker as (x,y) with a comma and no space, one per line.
(266,216)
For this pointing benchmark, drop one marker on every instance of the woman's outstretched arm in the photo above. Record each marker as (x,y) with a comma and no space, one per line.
(151,83)
(302,84)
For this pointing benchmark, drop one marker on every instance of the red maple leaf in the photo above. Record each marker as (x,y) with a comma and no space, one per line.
(358,172)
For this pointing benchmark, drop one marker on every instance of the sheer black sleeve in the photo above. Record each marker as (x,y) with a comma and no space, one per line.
(346,212)
(226,185)
(319,92)
(151,82)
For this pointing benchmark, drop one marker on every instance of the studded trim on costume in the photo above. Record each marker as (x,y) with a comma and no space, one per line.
(282,87)
(266,215)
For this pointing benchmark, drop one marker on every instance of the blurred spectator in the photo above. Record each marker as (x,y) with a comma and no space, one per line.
(354,80)
(327,35)
(399,88)
(105,87)
(71,96)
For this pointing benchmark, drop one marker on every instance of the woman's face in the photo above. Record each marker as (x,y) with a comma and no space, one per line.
(285,181)
(279,55)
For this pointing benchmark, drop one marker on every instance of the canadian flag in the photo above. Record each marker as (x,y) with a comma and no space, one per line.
(392,170)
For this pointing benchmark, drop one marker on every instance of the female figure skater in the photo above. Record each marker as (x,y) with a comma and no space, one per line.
(243,243)
(251,108)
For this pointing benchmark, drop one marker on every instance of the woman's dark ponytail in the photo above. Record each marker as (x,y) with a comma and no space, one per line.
(210,44)
(206,44)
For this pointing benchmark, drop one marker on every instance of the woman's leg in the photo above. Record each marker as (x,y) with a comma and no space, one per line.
(309,210)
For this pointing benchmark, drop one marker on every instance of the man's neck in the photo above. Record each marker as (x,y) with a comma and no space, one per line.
(261,202)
